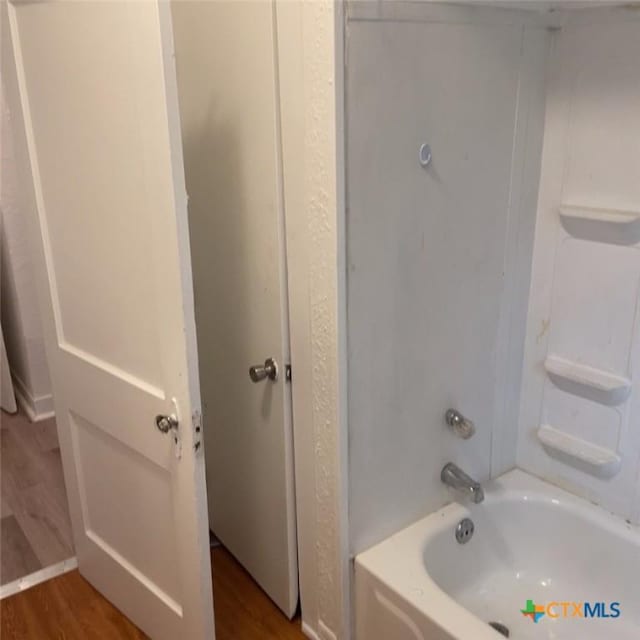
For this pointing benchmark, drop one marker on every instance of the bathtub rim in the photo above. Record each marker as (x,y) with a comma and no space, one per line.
(397,563)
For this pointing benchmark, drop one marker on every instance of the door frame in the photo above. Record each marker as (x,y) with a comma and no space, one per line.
(310,40)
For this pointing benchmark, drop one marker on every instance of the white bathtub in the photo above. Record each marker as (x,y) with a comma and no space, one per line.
(532,541)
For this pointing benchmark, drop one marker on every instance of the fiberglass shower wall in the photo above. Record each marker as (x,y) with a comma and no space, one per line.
(579,424)
(441,259)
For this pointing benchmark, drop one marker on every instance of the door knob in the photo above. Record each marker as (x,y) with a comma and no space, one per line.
(261,371)
(166,423)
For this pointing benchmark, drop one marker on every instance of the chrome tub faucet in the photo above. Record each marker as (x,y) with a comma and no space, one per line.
(456,478)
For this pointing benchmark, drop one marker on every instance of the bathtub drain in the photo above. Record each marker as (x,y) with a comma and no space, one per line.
(500,628)
(464,530)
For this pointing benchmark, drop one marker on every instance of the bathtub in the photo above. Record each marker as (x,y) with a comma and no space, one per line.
(531,542)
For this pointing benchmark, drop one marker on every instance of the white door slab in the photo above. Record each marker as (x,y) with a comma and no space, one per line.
(226,60)
(96,85)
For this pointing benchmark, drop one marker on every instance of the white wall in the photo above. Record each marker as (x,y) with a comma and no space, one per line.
(583,332)
(20,314)
(438,258)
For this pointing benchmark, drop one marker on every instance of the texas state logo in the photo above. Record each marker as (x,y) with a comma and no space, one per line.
(570,609)
(533,611)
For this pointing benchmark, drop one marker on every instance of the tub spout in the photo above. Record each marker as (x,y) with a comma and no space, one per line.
(456,478)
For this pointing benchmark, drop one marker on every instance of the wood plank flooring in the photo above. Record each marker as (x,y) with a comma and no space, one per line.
(18,558)
(242,610)
(69,607)
(35,531)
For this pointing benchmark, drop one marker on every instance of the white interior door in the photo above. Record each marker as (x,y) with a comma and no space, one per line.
(226,60)
(96,87)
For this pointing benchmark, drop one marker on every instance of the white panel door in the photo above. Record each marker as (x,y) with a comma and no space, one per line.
(96,86)
(226,60)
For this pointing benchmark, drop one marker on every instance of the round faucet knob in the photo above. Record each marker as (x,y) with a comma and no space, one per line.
(461,426)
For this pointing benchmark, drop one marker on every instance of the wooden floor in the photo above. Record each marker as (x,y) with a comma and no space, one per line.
(68,607)
(35,531)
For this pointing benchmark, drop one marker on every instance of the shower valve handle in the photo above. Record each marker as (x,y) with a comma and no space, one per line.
(460,425)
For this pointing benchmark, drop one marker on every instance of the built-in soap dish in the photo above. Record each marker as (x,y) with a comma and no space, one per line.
(588,382)
(578,453)
(601,225)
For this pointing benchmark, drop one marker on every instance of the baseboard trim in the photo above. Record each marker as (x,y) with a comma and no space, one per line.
(309,632)
(21,584)
(324,633)
(37,408)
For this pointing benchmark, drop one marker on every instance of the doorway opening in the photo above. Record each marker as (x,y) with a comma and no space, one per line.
(36,542)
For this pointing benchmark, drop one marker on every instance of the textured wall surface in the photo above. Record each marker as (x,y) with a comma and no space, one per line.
(310,65)
(323,208)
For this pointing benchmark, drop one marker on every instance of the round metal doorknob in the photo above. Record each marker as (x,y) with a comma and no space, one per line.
(268,370)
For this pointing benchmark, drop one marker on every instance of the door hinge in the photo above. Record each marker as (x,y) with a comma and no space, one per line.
(196,421)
